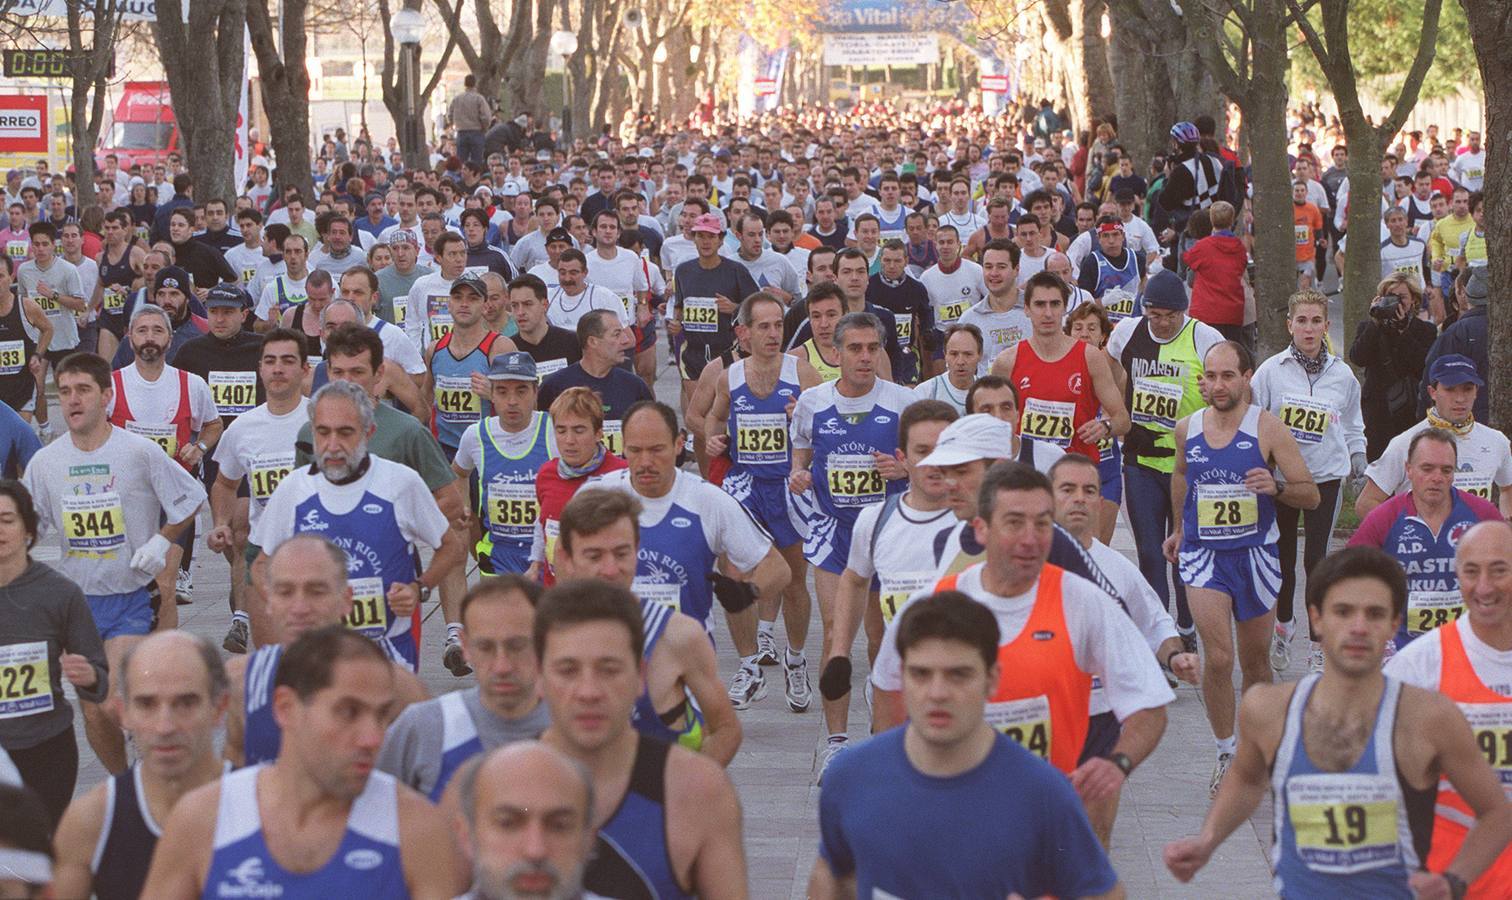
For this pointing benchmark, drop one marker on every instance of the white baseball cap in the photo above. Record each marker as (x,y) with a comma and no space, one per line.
(969,438)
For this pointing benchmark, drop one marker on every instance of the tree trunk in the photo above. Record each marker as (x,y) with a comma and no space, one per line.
(1081,57)
(1265,126)
(525,76)
(87,93)
(285,90)
(1142,95)
(1491,34)
(205,64)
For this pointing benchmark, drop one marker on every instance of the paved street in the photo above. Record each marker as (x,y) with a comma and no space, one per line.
(1167,797)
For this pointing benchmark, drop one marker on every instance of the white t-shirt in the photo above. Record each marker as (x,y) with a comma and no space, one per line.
(129,478)
(940,388)
(770,269)
(260,446)
(432,290)
(1144,607)
(1419,662)
(1484,459)
(157,402)
(89,276)
(904,564)
(63,277)
(675,251)
(564,311)
(950,295)
(397,347)
(1104,641)
(1469,169)
(624,275)
(1000,330)
(547,274)
(511,443)
(245,262)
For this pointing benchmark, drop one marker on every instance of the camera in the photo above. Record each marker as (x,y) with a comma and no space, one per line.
(1385,308)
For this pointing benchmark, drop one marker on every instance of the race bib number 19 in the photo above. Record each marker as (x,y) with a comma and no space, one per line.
(1344,823)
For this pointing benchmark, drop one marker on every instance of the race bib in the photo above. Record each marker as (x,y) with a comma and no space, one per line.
(1344,823)
(266,472)
(12,357)
(1491,723)
(549,367)
(113,299)
(369,613)
(614,436)
(1427,610)
(25,680)
(17,249)
(1304,235)
(668,595)
(553,531)
(440,326)
(853,479)
(700,315)
(401,310)
(455,401)
(1226,511)
(1477,483)
(898,587)
(248,275)
(235,393)
(1118,303)
(1026,721)
(950,312)
(1307,417)
(1048,420)
(512,509)
(904,325)
(1474,174)
(1155,403)
(165,436)
(761,439)
(49,305)
(93,524)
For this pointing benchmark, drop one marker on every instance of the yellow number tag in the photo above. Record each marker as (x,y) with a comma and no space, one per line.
(512,509)
(1118,303)
(1226,511)
(369,613)
(1307,417)
(455,400)
(165,436)
(17,249)
(1304,235)
(761,439)
(904,325)
(25,680)
(401,309)
(266,472)
(1344,823)
(1427,610)
(950,312)
(113,299)
(1048,420)
(94,525)
(668,595)
(440,327)
(853,479)
(48,304)
(1155,403)
(1027,721)
(614,438)
(12,357)
(897,588)
(1491,723)
(700,314)
(1477,483)
(235,393)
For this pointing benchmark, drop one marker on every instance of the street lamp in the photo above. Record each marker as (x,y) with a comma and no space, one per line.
(564,44)
(408,27)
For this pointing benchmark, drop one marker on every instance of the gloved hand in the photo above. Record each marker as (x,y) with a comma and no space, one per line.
(1356,466)
(152,556)
(734,596)
(1142,442)
(835,680)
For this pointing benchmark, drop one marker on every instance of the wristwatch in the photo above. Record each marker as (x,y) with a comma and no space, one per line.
(202,447)
(1125,765)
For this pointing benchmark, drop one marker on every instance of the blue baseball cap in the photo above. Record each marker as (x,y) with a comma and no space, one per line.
(515,366)
(1454,369)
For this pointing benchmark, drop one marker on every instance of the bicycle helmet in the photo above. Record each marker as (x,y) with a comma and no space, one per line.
(1185,133)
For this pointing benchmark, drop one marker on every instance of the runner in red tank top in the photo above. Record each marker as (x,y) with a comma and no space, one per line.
(577,418)
(1060,385)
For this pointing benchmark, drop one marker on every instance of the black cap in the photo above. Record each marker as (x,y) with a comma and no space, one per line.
(227,295)
(470,280)
(559,235)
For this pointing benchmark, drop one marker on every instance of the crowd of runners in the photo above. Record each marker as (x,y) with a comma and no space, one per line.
(927,357)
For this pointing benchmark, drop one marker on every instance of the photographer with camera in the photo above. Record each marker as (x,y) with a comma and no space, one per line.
(1391,347)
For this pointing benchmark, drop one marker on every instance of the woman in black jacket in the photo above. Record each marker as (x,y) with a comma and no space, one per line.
(1391,347)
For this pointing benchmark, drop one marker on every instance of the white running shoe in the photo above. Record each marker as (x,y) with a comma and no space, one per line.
(748,686)
(1219,770)
(766,649)
(826,752)
(799,693)
(1280,650)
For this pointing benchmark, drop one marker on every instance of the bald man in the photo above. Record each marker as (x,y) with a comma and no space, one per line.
(527,823)
(174,691)
(1469,660)
(307,589)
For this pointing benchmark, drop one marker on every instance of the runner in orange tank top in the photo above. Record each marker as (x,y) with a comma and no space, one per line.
(1061,387)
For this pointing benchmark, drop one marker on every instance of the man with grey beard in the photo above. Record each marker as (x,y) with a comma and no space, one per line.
(528,810)
(371,508)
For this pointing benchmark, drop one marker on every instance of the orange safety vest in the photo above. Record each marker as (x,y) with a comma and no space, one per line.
(1490,716)
(1042,696)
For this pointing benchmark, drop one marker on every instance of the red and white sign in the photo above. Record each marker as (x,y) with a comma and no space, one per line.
(766,87)
(23,124)
(995,84)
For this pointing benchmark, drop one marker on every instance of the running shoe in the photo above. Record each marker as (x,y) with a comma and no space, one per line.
(183,588)
(799,694)
(1314,657)
(453,659)
(237,637)
(1280,650)
(766,649)
(1219,770)
(748,686)
(826,753)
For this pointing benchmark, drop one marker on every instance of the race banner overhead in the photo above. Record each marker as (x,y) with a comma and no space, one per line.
(132,10)
(881,49)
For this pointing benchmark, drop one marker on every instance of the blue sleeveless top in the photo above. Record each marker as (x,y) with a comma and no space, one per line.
(261,736)
(508,497)
(459,740)
(845,476)
(455,405)
(758,426)
(631,858)
(1220,513)
(647,720)
(365,864)
(1341,834)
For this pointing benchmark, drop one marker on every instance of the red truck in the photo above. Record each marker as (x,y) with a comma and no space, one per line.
(142,129)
